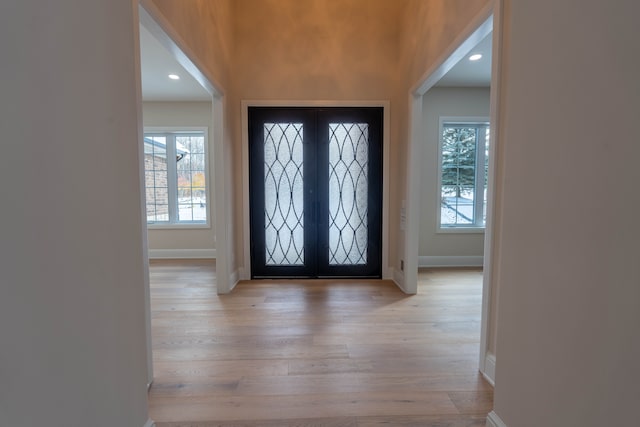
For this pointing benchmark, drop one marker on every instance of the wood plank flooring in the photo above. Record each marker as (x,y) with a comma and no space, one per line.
(305,353)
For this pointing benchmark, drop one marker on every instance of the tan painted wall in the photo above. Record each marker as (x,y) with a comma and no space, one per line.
(316,49)
(288,50)
(568,343)
(320,50)
(172,114)
(430,27)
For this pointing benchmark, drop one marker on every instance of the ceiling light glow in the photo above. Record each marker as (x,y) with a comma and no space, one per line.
(475,57)
(174,77)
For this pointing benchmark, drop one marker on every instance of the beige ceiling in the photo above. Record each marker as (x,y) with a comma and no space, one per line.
(157,62)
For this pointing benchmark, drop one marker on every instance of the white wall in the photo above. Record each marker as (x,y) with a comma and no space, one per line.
(176,114)
(445,102)
(72,323)
(568,343)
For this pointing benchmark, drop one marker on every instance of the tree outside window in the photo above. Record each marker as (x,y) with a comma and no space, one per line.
(463,184)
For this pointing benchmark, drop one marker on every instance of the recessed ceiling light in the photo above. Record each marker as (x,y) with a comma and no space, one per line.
(174,77)
(475,57)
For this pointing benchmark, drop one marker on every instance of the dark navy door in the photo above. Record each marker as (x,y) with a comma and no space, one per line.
(315,191)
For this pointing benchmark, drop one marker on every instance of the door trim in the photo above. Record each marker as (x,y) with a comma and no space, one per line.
(245,271)
(489,18)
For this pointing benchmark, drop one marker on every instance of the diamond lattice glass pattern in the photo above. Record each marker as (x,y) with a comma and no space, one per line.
(348,190)
(283,194)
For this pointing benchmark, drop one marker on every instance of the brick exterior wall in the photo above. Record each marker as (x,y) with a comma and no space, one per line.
(157,194)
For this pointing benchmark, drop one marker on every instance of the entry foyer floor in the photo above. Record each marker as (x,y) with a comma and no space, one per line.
(315,353)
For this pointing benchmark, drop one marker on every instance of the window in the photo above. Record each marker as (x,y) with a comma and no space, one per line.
(175,169)
(464,161)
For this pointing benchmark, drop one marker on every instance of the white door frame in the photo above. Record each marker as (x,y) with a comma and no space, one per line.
(153,20)
(245,273)
(487,20)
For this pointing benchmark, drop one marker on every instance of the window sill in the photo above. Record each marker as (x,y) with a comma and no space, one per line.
(185,226)
(460,230)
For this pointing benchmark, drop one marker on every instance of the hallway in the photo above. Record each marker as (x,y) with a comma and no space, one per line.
(315,353)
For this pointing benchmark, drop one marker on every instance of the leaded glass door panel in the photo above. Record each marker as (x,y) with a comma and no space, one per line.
(315,192)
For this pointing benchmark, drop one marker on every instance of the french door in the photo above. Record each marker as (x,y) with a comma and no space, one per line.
(315,183)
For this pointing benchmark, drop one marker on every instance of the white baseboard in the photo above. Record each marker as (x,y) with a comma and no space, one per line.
(493,420)
(489,371)
(243,274)
(450,261)
(387,273)
(149,423)
(182,253)
(233,281)
(398,278)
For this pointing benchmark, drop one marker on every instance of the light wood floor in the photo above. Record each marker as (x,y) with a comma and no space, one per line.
(315,353)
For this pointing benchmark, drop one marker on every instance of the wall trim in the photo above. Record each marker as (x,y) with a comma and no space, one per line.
(388,273)
(450,261)
(489,371)
(493,420)
(386,144)
(399,280)
(490,18)
(159,26)
(149,423)
(234,279)
(182,253)
(493,224)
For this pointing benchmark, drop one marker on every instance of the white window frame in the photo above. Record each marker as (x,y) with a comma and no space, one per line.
(172,178)
(480,159)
